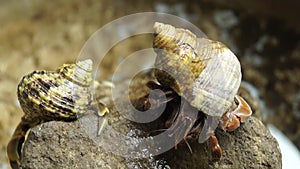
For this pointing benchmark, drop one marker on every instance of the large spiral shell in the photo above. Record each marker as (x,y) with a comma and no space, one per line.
(56,95)
(204,72)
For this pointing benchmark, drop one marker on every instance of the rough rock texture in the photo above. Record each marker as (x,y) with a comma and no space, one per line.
(64,145)
(250,146)
(67,145)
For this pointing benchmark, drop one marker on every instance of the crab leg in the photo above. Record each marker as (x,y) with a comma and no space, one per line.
(157,101)
(231,120)
(216,149)
(14,146)
(184,122)
(208,132)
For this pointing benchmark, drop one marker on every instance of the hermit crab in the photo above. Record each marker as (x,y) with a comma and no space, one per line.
(206,75)
(64,94)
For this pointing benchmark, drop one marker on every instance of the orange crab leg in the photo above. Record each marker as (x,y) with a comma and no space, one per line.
(14,146)
(231,120)
(243,111)
(216,149)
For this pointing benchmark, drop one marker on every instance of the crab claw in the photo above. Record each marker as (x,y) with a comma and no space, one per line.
(215,147)
(231,120)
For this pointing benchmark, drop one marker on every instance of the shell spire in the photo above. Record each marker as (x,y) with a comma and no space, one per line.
(62,94)
(80,73)
(169,38)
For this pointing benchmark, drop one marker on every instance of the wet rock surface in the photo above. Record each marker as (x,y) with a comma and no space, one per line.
(72,145)
(64,145)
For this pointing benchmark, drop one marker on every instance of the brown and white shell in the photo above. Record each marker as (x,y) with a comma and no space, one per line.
(203,71)
(63,94)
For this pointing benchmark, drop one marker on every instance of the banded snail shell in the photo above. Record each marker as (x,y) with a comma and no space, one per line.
(204,72)
(56,95)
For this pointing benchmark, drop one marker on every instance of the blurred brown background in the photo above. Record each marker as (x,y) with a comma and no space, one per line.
(264,35)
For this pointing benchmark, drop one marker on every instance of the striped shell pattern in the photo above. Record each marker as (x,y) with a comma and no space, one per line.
(63,94)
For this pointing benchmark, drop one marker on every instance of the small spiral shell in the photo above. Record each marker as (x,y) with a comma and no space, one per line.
(53,95)
(64,94)
(204,72)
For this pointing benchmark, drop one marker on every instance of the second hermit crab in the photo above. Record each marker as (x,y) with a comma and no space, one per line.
(64,94)
(206,75)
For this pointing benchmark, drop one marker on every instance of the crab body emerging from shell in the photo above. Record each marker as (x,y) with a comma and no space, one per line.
(204,72)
